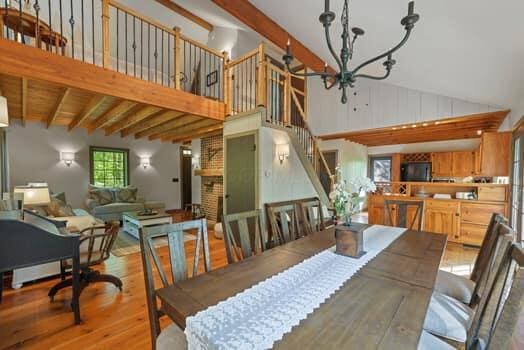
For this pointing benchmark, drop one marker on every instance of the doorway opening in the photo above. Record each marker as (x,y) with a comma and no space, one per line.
(186,172)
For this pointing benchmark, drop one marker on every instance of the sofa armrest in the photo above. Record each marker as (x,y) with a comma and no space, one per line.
(91,204)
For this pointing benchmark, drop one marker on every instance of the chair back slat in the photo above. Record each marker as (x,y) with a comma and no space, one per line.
(99,245)
(249,243)
(177,260)
(396,214)
(312,216)
(490,302)
(283,220)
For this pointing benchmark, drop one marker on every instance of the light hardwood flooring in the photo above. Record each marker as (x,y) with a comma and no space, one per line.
(111,319)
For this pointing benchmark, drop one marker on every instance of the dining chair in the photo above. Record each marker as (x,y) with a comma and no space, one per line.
(465,289)
(172,337)
(397,213)
(462,326)
(283,222)
(312,215)
(11,209)
(96,243)
(250,230)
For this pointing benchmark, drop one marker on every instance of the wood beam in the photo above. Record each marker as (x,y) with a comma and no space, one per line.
(93,104)
(118,109)
(198,136)
(195,131)
(187,14)
(183,130)
(135,117)
(20,60)
(58,106)
(24,100)
(150,122)
(182,120)
(251,16)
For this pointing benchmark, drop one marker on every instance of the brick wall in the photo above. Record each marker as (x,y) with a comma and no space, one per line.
(211,157)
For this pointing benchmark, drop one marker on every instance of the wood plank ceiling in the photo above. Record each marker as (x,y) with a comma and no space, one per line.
(466,127)
(53,104)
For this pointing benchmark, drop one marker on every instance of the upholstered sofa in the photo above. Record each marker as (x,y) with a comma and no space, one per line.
(108,204)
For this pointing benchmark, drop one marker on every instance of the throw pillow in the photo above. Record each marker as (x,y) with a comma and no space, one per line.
(101,195)
(61,196)
(126,194)
(59,209)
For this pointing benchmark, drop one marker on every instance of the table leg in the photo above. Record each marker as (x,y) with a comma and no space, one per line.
(75,303)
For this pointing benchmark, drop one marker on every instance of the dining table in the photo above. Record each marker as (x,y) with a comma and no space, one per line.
(382,306)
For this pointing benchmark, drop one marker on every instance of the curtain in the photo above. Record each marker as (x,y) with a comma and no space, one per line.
(4,162)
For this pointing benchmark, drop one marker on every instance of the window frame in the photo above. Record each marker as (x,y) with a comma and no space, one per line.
(372,159)
(516,188)
(126,168)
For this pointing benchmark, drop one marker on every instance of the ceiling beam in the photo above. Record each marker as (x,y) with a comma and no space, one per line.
(187,14)
(198,136)
(178,122)
(88,110)
(24,100)
(150,122)
(184,130)
(251,16)
(196,131)
(134,117)
(118,109)
(58,106)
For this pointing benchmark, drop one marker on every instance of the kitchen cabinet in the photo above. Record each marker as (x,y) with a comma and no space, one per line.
(463,163)
(441,164)
(443,217)
(495,153)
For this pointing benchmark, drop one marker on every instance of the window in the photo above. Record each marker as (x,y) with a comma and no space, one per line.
(517,179)
(380,169)
(109,167)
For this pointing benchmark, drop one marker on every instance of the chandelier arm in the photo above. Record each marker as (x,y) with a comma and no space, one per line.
(367,76)
(330,47)
(385,54)
(312,74)
(328,87)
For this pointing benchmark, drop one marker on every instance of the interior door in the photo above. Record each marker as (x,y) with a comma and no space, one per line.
(240,174)
(186,171)
(331,158)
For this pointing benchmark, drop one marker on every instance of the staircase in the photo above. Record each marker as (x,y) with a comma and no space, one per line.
(255,79)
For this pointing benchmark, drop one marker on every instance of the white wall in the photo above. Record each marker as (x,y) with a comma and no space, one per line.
(353,157)
(34,155)
(376,104)
(196,181)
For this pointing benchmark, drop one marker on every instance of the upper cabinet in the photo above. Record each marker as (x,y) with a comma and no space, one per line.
(463,164)
(441,164)
(494,152)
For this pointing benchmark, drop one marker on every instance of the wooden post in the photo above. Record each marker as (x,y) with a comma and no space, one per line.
(1,26)
(262,77)
(305,96)
(287,99)
(105,33)
(226,83)
(178,57)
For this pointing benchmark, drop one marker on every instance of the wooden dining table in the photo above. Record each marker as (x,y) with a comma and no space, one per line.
(382,306)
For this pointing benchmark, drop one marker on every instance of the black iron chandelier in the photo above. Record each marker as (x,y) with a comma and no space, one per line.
(346,77)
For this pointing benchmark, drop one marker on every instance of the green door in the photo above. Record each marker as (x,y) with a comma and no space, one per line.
(240,174)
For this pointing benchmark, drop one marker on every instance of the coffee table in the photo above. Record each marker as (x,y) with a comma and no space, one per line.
(133,222)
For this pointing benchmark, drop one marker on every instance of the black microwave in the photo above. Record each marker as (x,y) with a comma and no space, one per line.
(415,172)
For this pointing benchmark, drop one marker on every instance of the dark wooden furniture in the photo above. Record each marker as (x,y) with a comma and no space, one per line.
(249,242)
(99,247)
(311,222)
(350,240)
(178,266)
(382,306)
(283,221)
(23,244)
(400,214)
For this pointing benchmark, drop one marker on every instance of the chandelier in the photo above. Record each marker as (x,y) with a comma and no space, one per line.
(347,77)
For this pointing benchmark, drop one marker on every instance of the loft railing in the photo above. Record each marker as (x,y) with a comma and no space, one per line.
(108,34)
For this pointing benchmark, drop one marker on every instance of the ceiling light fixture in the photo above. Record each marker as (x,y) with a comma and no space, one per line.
(346,77)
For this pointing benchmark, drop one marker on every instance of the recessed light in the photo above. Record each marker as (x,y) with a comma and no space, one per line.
(425,124)
(394,128)
(414,125)
(437,123)
(404,127)
(479,132)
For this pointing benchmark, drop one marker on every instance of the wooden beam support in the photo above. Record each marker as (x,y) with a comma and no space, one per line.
(150,122)
(135,117)
(88,110)
(251,16)
(118,109)
(195,131)
(24,100)
(20,60)
(184,129)
(187,14)
(176,123)
(198,136)
(58,106)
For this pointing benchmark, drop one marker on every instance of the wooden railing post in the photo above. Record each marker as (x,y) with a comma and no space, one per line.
(105,34)
(287,99)
(178,57)
(262,77)
(227,85)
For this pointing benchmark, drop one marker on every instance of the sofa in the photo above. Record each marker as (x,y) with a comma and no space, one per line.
(108,204)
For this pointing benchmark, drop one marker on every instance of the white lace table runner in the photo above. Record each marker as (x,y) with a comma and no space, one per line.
(259,316)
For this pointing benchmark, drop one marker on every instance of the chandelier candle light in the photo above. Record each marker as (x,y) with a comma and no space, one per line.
(346,77)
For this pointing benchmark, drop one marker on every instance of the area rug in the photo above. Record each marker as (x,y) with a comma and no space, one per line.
(126,244)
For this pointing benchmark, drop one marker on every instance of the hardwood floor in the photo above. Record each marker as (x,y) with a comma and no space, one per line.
(110,319)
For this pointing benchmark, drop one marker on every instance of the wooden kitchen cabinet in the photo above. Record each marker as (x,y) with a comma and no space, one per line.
(443,217)
(441,164)
(463,163)
(495,153)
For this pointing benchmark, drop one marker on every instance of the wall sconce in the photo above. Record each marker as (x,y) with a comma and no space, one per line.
(145,162)
(4,117)
(283,152)
(68,158)
(195,161)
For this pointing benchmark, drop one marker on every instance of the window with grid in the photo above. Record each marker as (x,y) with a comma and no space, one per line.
(109,166)
(517,180)
(380,169)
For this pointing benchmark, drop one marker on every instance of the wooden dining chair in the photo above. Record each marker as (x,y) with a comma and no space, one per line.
(311,215)
(172,337)
(462,326)
(465,289)
(246,229)
(283,222)
(398,212)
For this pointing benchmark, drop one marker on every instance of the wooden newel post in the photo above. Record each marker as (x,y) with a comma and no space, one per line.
(287,99)
(262,77)
(178,57)
(227,85)
(105,33)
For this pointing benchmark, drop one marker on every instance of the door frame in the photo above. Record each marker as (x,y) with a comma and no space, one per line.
(332,150)
(182,182)
(257,158)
